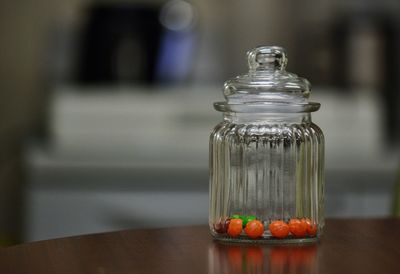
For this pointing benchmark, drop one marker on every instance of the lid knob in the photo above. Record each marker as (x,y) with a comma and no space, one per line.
(267,58)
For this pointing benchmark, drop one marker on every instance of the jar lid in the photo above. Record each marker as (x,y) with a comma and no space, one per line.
(267,87)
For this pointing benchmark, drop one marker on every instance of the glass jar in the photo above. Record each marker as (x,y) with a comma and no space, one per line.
(267,157)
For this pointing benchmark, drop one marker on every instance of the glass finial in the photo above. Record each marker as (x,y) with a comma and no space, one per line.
(267,57)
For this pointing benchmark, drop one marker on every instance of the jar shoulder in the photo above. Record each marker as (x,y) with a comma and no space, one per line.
(266,128)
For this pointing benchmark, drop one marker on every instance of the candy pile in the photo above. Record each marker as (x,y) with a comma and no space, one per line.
(297,227)
(254,228)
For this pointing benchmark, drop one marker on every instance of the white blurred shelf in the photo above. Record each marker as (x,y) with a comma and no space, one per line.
(170,127)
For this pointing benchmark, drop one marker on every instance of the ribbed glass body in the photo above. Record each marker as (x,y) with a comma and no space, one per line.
(271,167)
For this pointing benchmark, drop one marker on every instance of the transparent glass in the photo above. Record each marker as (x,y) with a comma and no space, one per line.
(267,163)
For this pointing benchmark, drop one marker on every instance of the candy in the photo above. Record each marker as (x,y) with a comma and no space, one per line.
(222,226)
(247,219)
(298,227)
(311,227)
(235,227)
(254,229)
(279,229)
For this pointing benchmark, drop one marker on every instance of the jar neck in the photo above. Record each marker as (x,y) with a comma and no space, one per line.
(267,118)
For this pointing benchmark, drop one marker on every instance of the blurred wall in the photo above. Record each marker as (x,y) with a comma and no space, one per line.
(24,96)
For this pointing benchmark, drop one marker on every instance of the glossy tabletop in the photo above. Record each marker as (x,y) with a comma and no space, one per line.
(348,246)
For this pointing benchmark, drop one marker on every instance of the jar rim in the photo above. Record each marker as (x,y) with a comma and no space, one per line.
(266,107)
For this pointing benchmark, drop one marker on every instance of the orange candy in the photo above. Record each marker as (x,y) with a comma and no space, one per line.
(311,227)
(279,229)
(235,227)
(298,227)
(254,229)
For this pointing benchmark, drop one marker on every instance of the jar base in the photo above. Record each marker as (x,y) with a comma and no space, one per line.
(268,240)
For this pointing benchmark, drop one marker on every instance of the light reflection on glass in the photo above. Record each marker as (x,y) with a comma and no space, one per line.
(235,259)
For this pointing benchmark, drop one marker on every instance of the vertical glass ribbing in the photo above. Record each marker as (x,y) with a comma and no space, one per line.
(272,171)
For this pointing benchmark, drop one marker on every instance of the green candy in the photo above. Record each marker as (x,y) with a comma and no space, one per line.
(236,216)
(247,219)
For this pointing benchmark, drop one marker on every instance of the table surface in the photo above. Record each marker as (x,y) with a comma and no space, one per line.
(348,246)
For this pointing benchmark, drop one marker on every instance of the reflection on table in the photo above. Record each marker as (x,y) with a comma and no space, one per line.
(227,258)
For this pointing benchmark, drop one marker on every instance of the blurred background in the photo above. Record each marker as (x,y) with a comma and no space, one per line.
(106,106)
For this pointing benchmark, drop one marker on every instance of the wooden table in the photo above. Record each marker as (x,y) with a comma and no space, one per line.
(348,246)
